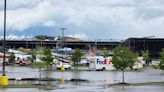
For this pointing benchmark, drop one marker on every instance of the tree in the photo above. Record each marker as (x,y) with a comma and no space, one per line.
(33,55)
(122,59)
(135,59)
(105,52)
(47,56)
(145,55)
(41,37)
(161,65)
(12,58)
(39,52)
(76,56)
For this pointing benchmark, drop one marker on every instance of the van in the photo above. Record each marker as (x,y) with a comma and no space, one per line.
(100,63)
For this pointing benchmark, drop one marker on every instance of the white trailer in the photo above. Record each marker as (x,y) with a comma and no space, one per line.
(139,64)
(100,63)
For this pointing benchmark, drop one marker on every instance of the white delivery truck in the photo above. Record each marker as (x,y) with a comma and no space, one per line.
(100,63)
(139,64)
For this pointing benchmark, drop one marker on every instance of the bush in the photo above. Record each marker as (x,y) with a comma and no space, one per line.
(38,64)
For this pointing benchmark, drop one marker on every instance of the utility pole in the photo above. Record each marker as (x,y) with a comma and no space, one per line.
(62,29)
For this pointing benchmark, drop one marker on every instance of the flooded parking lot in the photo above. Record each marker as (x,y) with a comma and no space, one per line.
(147,74)
(93,89)
(98,81)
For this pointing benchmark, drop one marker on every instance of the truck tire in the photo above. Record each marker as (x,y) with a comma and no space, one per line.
(135,69)
(20,63)
(23,64)
(6,63)
(103,69)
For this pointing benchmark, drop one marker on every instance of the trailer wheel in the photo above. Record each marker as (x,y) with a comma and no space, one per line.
(103,69)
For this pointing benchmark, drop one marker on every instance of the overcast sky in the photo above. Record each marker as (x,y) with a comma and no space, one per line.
(87,19)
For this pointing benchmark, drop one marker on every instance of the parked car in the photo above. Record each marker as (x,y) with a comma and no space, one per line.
(66,65)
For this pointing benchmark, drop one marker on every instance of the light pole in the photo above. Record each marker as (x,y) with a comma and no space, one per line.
(4,78)
(4,41)
(62,29)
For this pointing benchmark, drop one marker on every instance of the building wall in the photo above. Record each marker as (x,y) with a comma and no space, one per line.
(52,44)
(153,45)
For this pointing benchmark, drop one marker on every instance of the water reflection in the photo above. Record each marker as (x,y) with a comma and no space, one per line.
(75,74)
(62,81)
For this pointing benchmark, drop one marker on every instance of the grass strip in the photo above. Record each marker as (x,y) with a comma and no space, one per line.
(138,84)
(19,86)
(38,64)
(147,83)
(26,86)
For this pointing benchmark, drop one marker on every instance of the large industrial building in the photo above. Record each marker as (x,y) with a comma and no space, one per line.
(153,45)
(53,44)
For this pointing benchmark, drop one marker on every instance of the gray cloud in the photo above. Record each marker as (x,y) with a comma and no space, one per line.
(16,4)
(92,18)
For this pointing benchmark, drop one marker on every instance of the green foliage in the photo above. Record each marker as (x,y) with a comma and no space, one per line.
(33,55)
(135,59)
(28,86)
(122,58)
(19,86)
(136,55)
(40,37)
(76,56)
(162,59)
(147,83)
(40,50)
(38,64)
(47,56)
(145,54)
(105,52)
(12,57)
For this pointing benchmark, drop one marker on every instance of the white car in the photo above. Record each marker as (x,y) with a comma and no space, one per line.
(66,65)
